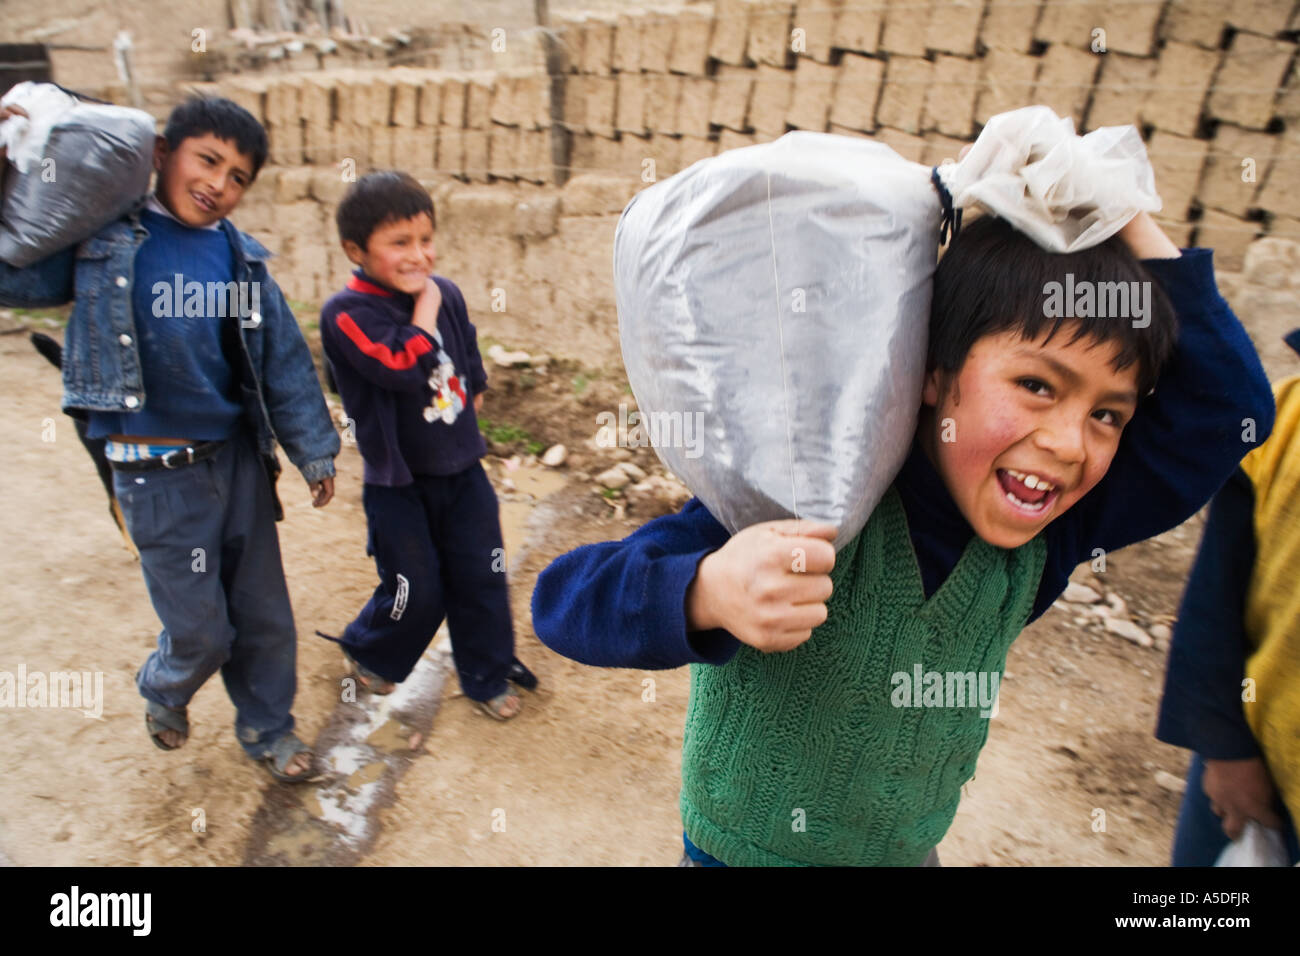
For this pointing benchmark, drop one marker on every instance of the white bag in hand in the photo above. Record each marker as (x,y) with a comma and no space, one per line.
(75,167)
(1258,845)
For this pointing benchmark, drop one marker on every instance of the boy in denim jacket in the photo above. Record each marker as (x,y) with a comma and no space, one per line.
(186,358)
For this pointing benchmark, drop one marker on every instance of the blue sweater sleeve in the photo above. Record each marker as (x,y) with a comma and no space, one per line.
(1185,439)
(1201,708)
(623,603)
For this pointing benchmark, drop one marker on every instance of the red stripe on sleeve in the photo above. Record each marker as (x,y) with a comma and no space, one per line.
(399,361)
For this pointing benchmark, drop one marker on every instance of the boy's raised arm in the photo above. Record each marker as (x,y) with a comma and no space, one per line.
(623,603)
(1211,406)
(476,373)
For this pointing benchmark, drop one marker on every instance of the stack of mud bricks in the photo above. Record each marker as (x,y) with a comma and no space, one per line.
(473,126)
(327,129)
(1212,86)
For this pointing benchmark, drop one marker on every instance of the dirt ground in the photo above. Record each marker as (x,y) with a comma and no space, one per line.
(587,775)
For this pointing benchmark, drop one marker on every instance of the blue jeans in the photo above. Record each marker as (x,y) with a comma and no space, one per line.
(211,561)
(1199,836)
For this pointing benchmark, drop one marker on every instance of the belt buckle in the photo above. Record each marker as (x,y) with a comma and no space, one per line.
(189,453)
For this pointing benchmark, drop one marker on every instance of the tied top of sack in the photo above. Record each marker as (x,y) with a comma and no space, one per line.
(1066,192)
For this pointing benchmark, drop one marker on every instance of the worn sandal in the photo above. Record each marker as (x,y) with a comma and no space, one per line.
(158,718)
(281,753)
(493,707)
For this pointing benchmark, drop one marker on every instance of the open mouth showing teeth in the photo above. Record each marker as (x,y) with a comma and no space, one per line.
(203,202)
(1028,492)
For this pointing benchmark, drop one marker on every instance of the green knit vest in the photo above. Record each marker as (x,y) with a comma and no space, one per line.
(806,757)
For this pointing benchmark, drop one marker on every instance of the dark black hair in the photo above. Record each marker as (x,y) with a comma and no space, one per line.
(995,279)
(224,119)
(379,198)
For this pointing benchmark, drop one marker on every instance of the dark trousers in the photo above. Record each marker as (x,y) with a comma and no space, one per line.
(211,561)
(437,546)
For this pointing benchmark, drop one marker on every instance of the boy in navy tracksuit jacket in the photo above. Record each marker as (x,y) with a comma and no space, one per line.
(406,361)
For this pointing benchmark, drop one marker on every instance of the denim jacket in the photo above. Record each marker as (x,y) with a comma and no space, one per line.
(281,395)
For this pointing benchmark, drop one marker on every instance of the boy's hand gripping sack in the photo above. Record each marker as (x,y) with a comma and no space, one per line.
(773,304)
(74,167)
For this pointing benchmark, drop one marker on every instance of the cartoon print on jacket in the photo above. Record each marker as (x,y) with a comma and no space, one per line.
(448,392)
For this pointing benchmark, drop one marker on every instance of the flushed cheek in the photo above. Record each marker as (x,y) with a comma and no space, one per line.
(983,436)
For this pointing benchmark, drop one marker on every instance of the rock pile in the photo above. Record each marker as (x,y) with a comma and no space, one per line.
(1092,608)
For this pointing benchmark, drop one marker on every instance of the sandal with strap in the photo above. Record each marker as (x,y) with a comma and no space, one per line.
(493,707)
(158,718)
(281,753)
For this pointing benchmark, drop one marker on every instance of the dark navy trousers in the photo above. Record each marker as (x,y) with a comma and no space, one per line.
(437,546)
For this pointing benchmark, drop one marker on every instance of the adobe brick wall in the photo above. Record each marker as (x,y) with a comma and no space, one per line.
(645,93)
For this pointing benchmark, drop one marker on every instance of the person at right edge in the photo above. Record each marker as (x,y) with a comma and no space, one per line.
(1232,687)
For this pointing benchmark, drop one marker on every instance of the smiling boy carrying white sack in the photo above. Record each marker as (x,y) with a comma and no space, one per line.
(1038,442)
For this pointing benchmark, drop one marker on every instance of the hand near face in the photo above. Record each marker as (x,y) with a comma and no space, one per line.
(427,304)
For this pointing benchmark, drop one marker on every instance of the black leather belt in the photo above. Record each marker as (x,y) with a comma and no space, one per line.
(183,455)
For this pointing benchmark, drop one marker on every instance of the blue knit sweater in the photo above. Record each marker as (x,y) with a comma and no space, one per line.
(188,382)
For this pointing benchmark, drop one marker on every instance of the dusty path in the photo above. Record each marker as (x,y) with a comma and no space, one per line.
(588,773)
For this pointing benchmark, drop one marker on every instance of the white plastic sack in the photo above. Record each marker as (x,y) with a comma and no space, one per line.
(1258,845)
(76,167)
(773,307)
(774,301)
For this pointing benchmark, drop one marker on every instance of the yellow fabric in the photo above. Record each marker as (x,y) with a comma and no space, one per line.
(1273,598)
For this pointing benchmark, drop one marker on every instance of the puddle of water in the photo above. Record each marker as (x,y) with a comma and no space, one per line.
(367,774)
(538,482)
(365,748)
(391,735)
(299,844)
